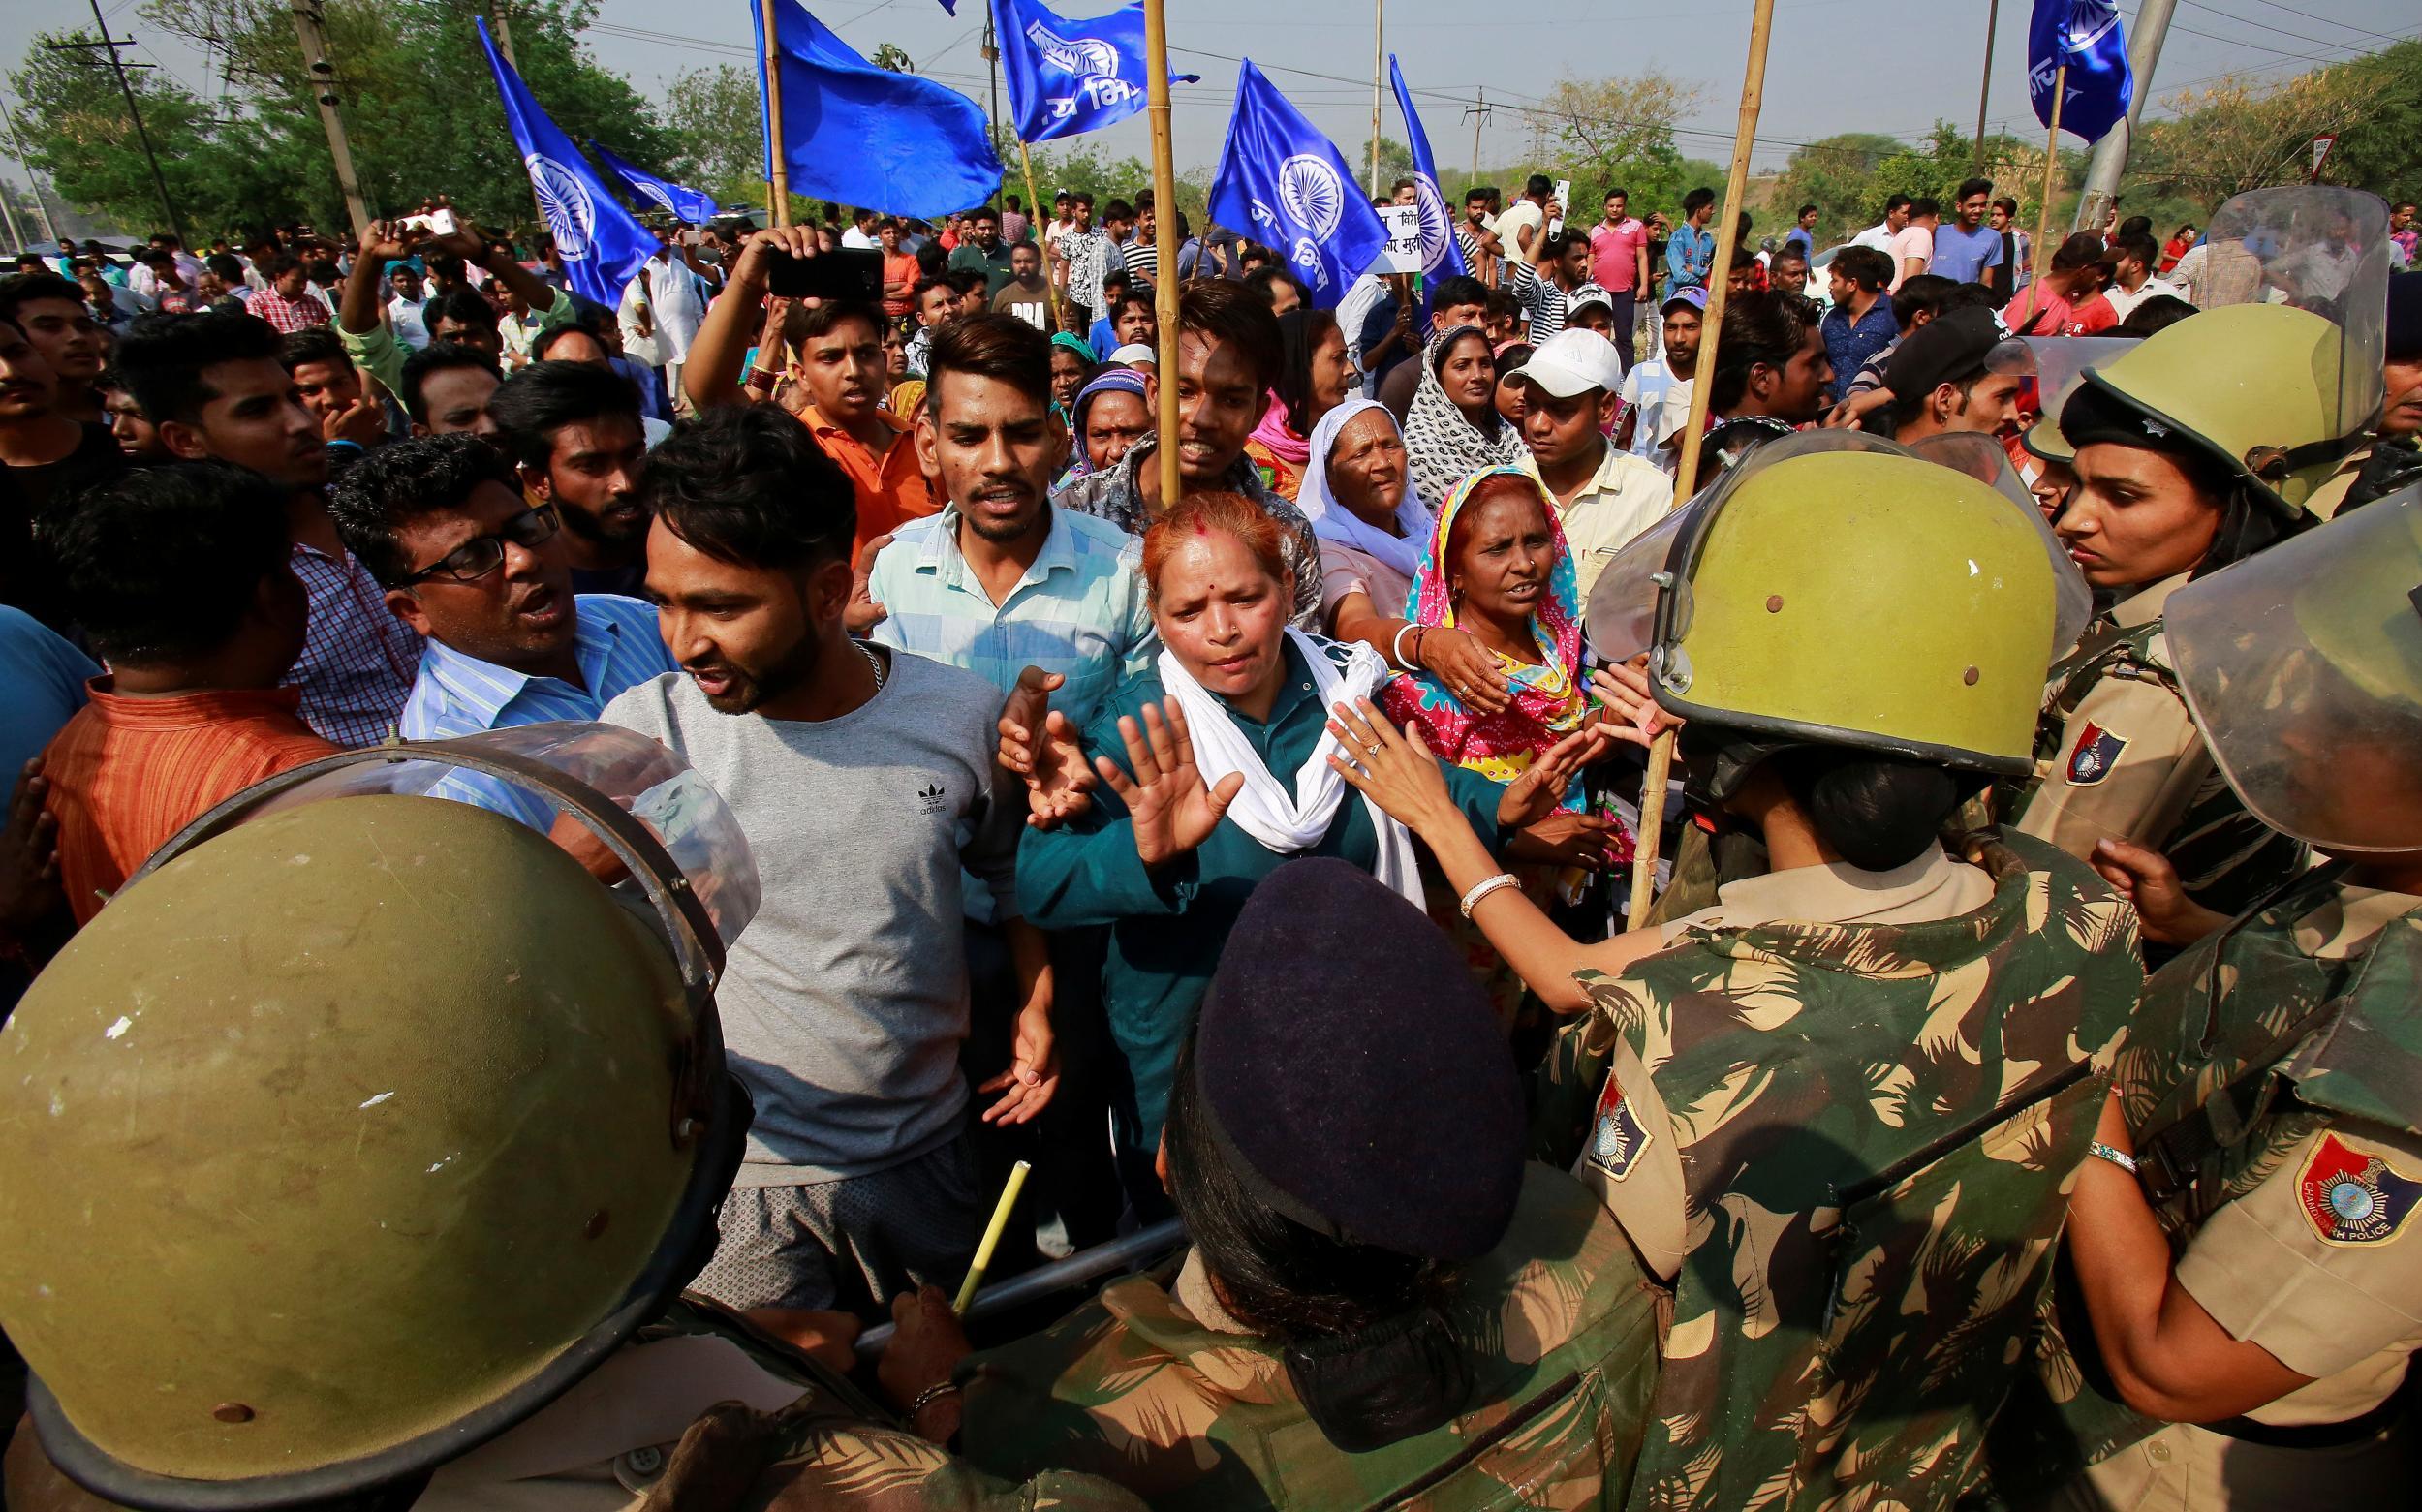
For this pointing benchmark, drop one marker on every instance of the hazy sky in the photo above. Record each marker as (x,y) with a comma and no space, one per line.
(1835,65)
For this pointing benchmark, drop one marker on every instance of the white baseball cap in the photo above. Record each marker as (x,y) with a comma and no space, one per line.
(1572,361)
(1135,352)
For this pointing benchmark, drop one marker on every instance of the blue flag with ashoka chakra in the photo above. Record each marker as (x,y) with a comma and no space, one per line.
(1286,183)
(602,243)
(686,204)
(1441,255)
(2085,35)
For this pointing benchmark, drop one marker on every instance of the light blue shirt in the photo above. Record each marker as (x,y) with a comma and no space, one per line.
(1079,610)
(614,641)
(1690,257)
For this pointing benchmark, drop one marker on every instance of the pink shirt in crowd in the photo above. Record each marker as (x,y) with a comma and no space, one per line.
(1615,254)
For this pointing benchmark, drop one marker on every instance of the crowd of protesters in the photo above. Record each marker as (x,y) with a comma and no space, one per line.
(1012,735)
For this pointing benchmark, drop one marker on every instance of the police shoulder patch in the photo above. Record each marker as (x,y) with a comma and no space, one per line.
(1616,1142)
(2354,1197)
(2095,753)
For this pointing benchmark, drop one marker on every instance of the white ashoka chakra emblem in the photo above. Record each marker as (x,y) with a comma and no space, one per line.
(1310,194)
(1096,56)
(565,202)
(1437,229)
(656,192)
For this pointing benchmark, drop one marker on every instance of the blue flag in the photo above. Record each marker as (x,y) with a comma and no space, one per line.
(1280,177)
(855,134)
(2086,36)
(1068,77)
(686,204)
(602,243)
(1441,255)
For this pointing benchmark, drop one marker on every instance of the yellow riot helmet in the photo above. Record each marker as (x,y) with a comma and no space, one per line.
(2303,669)
(1839,590)
(360,1125)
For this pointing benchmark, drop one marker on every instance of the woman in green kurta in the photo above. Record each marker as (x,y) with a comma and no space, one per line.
(1226,737)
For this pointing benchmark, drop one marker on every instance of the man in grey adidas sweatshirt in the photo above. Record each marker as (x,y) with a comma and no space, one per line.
(863,780)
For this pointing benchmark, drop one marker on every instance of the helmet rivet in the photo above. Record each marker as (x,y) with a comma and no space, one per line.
(685,1129)
(1774,603)
(231,1413)
(595,1225)
(1970,677)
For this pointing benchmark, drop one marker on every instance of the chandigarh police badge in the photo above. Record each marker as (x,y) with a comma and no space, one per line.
(2353,1197)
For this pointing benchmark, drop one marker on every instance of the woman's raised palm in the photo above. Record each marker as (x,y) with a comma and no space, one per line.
(1171,809)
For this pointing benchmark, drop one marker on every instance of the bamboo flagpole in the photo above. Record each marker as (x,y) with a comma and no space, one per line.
(768,371)
(1163,241)
(1736,187)
(1034,205)
(2043,212)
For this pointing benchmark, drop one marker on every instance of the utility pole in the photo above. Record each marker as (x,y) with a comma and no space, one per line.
(992,55)
(502,29)
(323,77)
(110,45)
(1379,65)
(33,184)
(1993,19)
(2110,154)
(1478,115)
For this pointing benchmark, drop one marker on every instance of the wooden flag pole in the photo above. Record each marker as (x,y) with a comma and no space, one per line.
(768,371)
(780,208)
(2043,212)
(1163,241)
(1034,203)
(1736,187)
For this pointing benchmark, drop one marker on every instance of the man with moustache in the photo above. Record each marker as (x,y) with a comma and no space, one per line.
(1011,587)
(574,430)
(468,562)
(213,385)
(863,780)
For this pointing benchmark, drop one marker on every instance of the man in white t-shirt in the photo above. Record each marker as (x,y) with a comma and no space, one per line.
(1655,392)
(1522,231)
(1895,217)
(2132,276)
(861,236)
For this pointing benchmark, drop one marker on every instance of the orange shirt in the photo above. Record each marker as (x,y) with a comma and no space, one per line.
(890,489)
(126,774)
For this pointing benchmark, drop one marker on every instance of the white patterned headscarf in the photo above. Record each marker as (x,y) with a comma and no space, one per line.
(1445,446)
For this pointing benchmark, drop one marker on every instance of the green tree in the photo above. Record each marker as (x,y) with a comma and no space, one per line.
(718,133)
(892,59)
(421,111)
(1837,174)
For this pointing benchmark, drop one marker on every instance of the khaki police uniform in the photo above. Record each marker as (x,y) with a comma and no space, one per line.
(2118,757)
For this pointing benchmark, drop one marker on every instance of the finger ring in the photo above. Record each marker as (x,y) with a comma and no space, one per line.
(1370,751)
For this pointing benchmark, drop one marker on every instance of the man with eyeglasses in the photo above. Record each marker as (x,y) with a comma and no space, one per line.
(467,561)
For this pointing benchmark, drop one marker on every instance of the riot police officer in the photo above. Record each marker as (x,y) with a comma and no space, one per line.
(2250,1283)
(2197,447)
(1836,1111)
(361,1149)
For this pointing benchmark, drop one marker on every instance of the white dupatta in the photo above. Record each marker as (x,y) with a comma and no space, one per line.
(1281,817)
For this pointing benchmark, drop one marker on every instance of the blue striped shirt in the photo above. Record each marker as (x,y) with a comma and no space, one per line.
(614,641)
(1079,610)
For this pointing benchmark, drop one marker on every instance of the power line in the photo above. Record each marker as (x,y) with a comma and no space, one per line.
(2326,21)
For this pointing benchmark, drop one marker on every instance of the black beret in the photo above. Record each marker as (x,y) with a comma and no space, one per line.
(1353,1072)
(1944,351)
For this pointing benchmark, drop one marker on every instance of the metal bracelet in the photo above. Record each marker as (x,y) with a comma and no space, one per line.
(1484,887)
(2125,1161)
(928,1397)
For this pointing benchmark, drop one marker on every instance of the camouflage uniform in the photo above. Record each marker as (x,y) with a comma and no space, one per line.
(1156,1389)
(1871,1129)
(2253,1108)
(2116,758)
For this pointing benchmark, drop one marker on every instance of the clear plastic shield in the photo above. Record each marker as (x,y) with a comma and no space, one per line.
(2061,363)
(679,808)
(2319,248)
(2303,667)
(1622,611)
